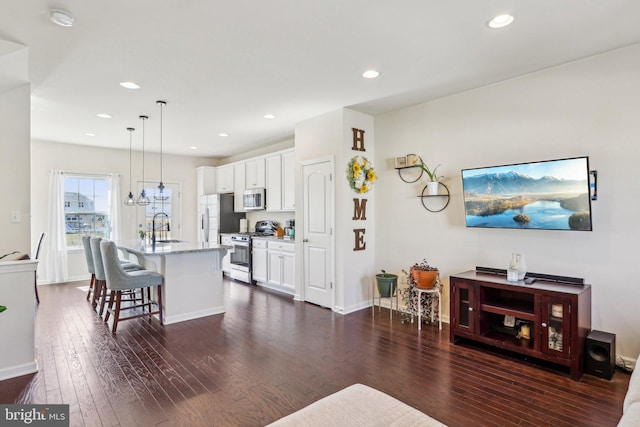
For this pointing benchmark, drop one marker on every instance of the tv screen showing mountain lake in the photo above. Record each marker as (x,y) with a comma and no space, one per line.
(550,195)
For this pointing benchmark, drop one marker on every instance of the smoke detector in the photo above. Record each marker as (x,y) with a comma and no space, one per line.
(60,17)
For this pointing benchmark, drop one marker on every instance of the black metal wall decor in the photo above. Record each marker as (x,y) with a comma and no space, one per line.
(409,163)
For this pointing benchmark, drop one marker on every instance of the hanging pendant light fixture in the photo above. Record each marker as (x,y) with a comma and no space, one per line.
(161,185)
(130,200)
(143,200)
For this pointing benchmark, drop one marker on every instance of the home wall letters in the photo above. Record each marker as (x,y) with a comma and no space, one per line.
(359,205)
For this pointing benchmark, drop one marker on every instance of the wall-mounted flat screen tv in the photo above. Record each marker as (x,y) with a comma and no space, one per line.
(545,195)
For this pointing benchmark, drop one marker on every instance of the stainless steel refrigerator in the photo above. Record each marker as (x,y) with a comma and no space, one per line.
(215,216)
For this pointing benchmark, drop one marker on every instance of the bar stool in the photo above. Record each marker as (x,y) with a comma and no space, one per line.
(100,288)
(86,242)
(435,291)
(120,281)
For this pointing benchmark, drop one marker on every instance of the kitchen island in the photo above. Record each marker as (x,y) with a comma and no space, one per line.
(192,273)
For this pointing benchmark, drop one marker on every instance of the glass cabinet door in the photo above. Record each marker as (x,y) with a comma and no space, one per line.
(464,307)
(556,326)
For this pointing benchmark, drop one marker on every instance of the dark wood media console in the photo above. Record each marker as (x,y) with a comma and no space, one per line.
(558,316)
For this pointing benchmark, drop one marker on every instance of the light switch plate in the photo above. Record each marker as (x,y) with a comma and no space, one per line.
(15,216)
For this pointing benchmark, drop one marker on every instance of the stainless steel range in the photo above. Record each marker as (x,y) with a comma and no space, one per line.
(240,259)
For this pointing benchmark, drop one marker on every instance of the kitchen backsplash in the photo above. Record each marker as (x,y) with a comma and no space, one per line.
(280,217)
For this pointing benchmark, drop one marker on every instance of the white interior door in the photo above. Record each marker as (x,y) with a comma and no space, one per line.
(317,235)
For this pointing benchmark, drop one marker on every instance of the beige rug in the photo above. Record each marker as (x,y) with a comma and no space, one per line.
(357,405)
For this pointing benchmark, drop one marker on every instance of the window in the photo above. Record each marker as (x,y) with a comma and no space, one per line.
(163,212)
(86,207)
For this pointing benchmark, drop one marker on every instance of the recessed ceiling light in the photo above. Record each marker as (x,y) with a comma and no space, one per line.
(193,147)
(60,17)
(500,21)
(223,134)
(103,116)
(129,85)
(89,134)
(269,116)
(370,74)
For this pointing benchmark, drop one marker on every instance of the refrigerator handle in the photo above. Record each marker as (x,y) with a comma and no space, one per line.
(206,230)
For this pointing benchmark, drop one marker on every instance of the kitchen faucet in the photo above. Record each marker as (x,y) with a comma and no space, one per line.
(153,227)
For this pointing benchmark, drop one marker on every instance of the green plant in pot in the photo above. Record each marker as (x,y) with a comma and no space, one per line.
(387,283)
(424,276)
(434,178)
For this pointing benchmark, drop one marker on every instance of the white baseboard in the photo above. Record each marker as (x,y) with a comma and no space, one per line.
(70,279)
(18,370)
(626,363)
(193,315)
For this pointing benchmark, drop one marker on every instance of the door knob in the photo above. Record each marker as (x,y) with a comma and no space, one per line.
(305,240)
(544,325)
(470,308)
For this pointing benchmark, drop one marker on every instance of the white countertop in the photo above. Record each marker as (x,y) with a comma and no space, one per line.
(284,239)
(173,248)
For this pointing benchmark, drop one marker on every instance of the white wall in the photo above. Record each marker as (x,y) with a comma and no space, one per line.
(47,156)
(271,148)
(589,107)
(15,124)
(330,136)
(316,138)
(357,267)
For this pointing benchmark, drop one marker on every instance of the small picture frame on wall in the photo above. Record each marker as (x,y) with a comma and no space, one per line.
(412,160)
(401,162)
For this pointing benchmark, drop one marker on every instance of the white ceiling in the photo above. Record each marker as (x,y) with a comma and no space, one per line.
(222,65)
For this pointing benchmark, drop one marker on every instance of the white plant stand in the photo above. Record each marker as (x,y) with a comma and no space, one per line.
(435,292)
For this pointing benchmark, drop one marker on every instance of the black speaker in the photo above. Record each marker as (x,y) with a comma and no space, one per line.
(600,354)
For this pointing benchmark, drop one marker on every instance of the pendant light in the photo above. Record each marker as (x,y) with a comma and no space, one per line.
(143,200)
(161,185)
(130,200)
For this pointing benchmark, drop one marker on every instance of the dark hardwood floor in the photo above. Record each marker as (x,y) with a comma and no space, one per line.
(268,356)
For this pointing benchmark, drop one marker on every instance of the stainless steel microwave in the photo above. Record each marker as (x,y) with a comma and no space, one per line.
(254,199)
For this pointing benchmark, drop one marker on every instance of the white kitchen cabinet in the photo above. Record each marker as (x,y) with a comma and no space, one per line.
(289,181)
(239,186)
(224,178)
(206,180)
(255,173)
(274,182)
(259,260)
(281,187)
(281,265)
(225,239)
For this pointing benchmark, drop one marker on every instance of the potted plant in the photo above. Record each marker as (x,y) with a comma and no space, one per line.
(422,275)
(386,283)
(141,233)
(434,178)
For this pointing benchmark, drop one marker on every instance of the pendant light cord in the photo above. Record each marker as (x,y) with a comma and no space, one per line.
(160,141)
(161,185)
(130,157)
(143,118)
